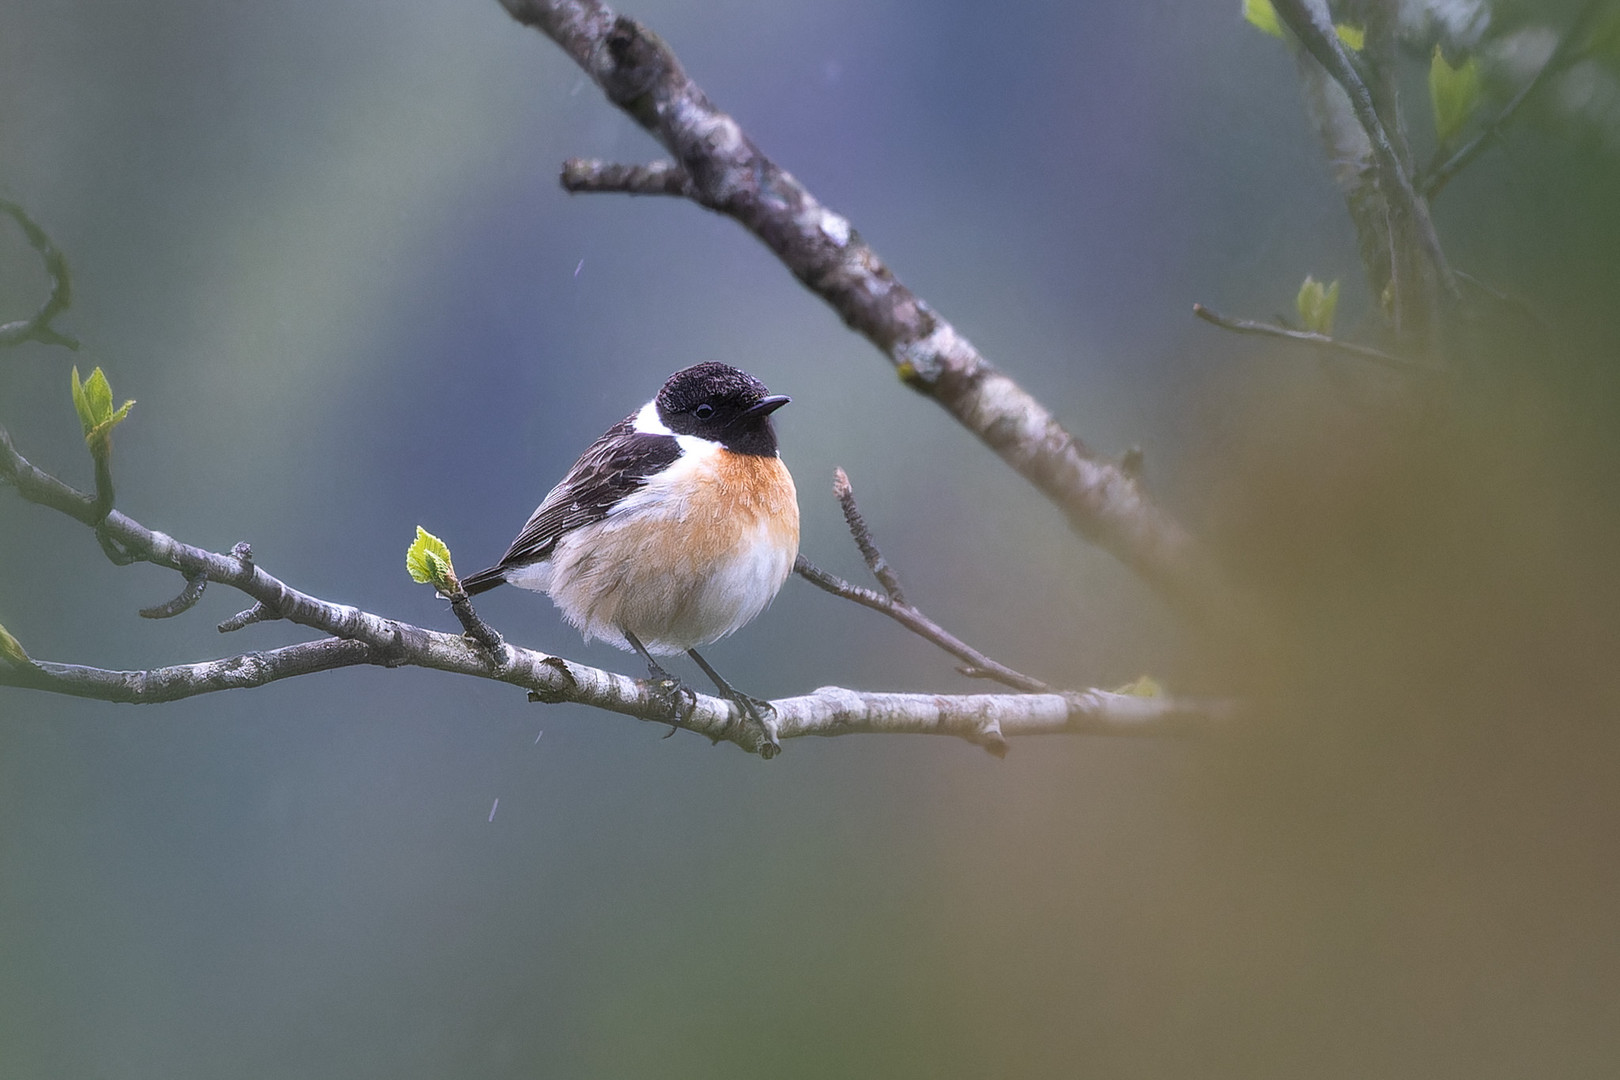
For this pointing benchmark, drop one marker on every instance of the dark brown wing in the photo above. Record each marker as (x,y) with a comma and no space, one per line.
(611,468)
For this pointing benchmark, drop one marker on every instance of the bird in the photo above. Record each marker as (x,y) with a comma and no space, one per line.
(674,529)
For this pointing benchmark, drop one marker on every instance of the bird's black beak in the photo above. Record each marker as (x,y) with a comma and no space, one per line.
(766,406)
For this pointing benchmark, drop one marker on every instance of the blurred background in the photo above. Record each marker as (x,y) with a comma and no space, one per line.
(324,246)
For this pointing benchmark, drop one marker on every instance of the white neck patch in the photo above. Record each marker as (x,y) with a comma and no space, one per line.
(648,421)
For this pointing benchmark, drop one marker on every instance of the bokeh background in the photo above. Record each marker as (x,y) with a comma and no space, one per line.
(324,247)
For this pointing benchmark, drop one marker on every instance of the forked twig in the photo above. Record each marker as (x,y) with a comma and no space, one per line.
(893,603)
(37,327)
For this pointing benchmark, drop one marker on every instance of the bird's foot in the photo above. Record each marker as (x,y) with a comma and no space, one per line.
(678,699)
(762,714)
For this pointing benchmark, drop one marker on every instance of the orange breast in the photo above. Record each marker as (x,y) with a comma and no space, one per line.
(691,557)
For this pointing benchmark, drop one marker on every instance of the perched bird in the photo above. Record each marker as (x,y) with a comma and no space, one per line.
(672,530)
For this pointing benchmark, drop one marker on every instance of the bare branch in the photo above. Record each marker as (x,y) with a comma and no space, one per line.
(184,602)
(730,175)
(256,613)
(653,178)
(38,326)
(38,486)
(1567,51)
(892,602)
(986,720)
(1320,341)
(1422,277)
(189,680)
(474,625)
(975,663)
(360,637)
(875,561)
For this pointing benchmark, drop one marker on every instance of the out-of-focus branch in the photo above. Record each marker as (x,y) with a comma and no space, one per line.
(38,327)
(1320,341)
(355,637)
(1422,280)
(730,175)
(1568,50)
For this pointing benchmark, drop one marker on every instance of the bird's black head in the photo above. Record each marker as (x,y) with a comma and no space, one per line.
(718,402)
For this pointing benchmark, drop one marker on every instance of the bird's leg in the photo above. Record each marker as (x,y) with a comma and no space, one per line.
(664,685)
(755,709)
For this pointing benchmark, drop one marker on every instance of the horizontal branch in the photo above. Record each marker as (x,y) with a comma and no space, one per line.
(360,637)
(986,720)
(730,175)
(189,680)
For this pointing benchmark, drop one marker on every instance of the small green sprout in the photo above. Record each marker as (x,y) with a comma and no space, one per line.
(1143,686)
(10,650)
(428,560)
(92,400)
(1316,304)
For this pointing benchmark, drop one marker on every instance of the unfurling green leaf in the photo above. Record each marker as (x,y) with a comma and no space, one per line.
(1263,16)
(10,649)
(81,403)
(428,560)
(1143,686)
(1316,304)
(92,400)
(1454,91)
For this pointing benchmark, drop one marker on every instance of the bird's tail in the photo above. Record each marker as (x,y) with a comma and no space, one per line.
(484,580)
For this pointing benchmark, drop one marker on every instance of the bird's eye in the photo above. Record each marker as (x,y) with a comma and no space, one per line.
(704,411)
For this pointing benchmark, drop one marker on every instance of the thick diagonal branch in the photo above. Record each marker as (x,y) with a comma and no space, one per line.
(730,175)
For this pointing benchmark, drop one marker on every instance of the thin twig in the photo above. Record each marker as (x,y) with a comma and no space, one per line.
(474,625)
(257,613)
(654,178)
(38,326)
(1320,341)
(1565,53)
(975,664)
(1506,299)
(187,599)
(875,561)
(106,492)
